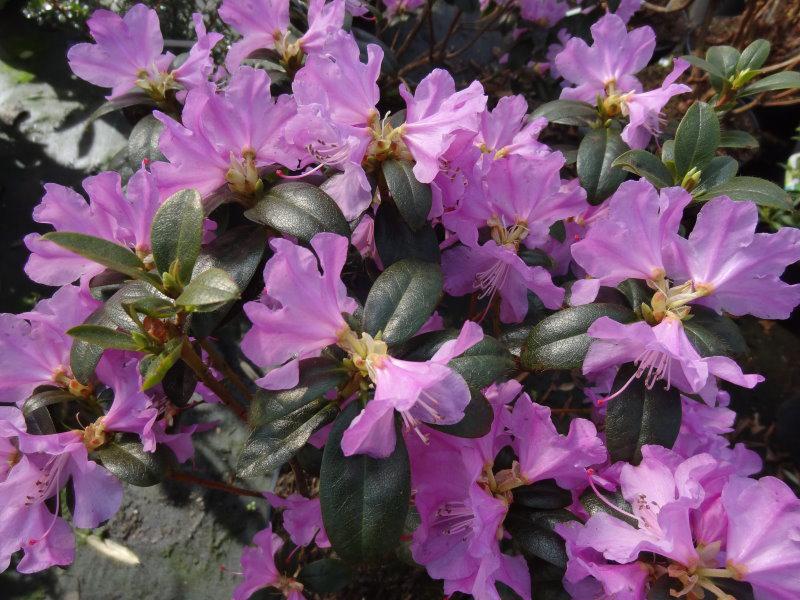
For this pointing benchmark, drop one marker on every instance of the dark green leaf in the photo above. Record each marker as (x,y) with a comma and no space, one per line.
(714,335)
(542,495)
(533,532)
(402,299)
(299,209)
(595,505)
(143,142)
(754,56)
(238,252)
(706,66)
(719,170)
(179,384)
(126,459)
(733,138)
(480,365)
(395,240)
(101,251)
(104,337)
(325,576)
(282,421)
(45,398)
(724,58)
(697,138)
(134,99)
(177,233)
(364,500)
(779,81)
(640,416)
(208,291)
(760,191)
(596,155)
(412,198)
(567,112)
(154,306)
(514,336)
(647,165)
(157,366)
(560,341)
(477,419)
(636,292)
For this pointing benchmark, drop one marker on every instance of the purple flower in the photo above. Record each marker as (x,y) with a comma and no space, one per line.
(128,55)
(300,312)
(644,109)
(258,567)
(34,348)
(429,391)
(225,137)
(608,66)
(396,7)
(42,465)
(302,519)
(545,454)
(543,12)
(737,268)
(434,114)
(264,24)
(763,536)
(123,218)
(590,575)
(661,352)
(462,509)
(494,269)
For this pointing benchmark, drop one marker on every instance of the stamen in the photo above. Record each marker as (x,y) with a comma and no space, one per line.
(604,500)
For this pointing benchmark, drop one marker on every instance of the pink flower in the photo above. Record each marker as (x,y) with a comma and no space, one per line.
(492,270)
(225,137)
(300,312)
(609,65)
(544,12)
(128,54)
(123,218)
(395,7)
(739,269)
(302,519)
(429,391)
(434,114)
(644,109)
(264,24)
(763,546)
(545,454)
(43,464)
(661,352)
(258,567)
(34,348)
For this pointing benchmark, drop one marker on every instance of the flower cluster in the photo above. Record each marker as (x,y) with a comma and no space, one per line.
(411,273)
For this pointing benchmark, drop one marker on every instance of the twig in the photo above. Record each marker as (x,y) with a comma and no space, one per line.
(450,31)
(414,31)
(212,485)
(489,22)
(196,364)
(299,478)
(431,34)
(221,364)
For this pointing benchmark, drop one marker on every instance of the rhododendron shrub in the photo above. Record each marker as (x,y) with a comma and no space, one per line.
(414,276)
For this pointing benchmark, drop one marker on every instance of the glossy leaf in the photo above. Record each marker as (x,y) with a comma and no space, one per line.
(155,367)
(401,299)
(705,65)
(395,240)
(697,138)
(177,233)
(647,165)
(533,532)
(567,112)
(103,252)
(143,142)
(412,198)
(733,138)
(640,416)
(760,191)
(127,460)
(754,56)
(719,170)
(560,341)
(364,500)
(785,80)
(714,335)
(105,337)
(596,155)
(208,291)
(542,495)
(325,576)
(281,421)
(477,420)
(299,209)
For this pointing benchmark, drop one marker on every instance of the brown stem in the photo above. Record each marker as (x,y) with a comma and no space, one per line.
(221,364)
(431,34)
(299,478)
(196,364)
(491,20)
(450,31)
(212,485)
(414,31)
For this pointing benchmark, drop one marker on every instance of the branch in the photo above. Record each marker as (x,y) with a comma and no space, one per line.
(211,484)
(222,365)
(196,364)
